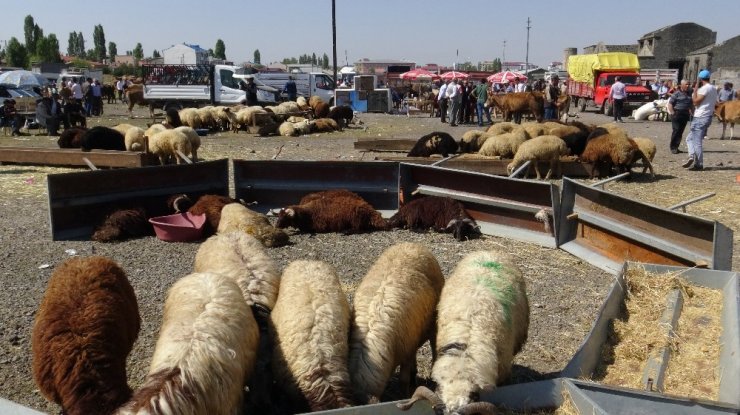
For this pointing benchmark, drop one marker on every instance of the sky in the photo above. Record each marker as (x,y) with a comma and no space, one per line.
(441,32)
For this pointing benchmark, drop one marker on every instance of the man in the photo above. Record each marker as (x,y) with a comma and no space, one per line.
(453,94)
(76,90)
(520,86)
(680,107)
(662,90)
(704,99)
(726,93)
(45,117)
(552,92)
(618,94)
(291,89)
(481,95)
(442,100)
(119,88)
(251,91)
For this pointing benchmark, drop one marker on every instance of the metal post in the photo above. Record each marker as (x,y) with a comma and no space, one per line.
(520,169)
(685,203)
(334,40)
(526,59)
(503,59)
(611,179)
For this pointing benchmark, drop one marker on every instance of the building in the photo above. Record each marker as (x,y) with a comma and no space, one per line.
(668,47)
(602,48)
(185,54)
(722,59)
(384,69)
(123,60)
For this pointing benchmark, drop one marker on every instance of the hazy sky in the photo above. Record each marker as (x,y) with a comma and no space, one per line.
(418,31)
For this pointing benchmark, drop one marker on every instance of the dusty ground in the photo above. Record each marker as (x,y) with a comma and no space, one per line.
(564,292)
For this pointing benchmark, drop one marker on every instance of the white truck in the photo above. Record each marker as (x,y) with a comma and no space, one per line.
(181,86)
(308,84)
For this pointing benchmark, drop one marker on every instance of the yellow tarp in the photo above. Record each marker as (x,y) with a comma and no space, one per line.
(581,67)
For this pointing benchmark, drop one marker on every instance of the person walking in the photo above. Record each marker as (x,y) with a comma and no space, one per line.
(442,100)
(291,89)
(552,92)
(453,94)
(680,107)
(704,99)
(481,95)
(618,94)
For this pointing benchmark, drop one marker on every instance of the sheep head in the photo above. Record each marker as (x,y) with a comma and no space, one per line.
(179,203)
(422,392)
(463,228)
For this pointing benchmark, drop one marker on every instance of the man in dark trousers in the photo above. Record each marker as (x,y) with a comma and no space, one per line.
(680,107)
(291,89)
(251,89)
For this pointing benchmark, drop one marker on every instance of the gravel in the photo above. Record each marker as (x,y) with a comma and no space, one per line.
(564,292)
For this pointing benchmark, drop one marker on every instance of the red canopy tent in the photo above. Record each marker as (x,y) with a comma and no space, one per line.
(448,76)
(505,77)
(419,74)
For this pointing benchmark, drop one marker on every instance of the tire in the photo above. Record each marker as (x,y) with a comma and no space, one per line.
(581,104)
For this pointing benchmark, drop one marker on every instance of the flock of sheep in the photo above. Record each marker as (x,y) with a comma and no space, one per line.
(292,338)
(606,146)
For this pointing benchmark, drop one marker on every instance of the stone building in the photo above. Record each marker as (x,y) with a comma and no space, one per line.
(722,59)
(668,47)
(602,48)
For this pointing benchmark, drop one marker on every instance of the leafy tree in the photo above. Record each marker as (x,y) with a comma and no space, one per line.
(112,51)
(80,63)
(80,47)
(156,54)
(72,44)
(47,49)
(16,53)
(326,62)
(210,52)
(138,53)
(257,57)
(219,52)
(289,61)
(313,59)
(28,33)
(99,42)
(497,65)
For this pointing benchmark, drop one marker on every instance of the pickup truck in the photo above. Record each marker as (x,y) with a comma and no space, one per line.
(307,84)
(591,77)
(181,86)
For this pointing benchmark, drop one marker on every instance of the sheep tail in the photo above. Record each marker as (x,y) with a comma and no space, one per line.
(544,215)
(166,388)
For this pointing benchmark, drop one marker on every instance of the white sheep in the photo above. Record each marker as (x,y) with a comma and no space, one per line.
(648,149)
(122,128)
(205,352)
(134,139)
(393,316)
(287,129)
(483,320)
(190,117)
(504,145)
(310,325)
(194,140)
(166,143)
(207,120)
(302,103)
(533,129)
(236,216)
(243,259)
(542,148)
(472,141)
(154,129)
(501,128)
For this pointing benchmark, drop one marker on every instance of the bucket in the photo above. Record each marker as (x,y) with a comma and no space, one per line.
(180,227)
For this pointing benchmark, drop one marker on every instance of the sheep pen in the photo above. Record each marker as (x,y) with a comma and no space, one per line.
(564,291)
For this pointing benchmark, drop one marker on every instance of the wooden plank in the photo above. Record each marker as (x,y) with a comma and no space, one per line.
(73,157)
(399,145)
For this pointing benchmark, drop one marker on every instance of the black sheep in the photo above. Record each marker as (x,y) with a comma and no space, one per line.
(434,143)
(102,138)
(71,137)
(342,114)
(172,118)
(123,224)
(442,214)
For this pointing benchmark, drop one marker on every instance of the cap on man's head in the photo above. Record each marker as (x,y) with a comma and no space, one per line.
(704,74)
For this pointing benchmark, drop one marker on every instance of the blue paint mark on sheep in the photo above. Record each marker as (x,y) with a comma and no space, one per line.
(501,288)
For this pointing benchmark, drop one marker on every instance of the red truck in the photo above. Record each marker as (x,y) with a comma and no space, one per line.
(591,77)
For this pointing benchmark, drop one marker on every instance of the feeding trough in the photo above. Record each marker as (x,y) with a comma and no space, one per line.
(180,227)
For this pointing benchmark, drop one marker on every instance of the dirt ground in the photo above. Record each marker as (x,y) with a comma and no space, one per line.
(564,291)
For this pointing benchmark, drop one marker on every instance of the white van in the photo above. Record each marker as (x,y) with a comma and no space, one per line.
(308,84)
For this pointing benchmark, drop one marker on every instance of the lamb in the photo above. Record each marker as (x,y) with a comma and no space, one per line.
(236,216)
(85,327)
(102,138)
(165,144)
(209,205)
(501,128)
(334,214)
(393,315)
(473,140)
(123,224)
(205,352)
(647,151)
(302,103)
(609,149)
(542,148)
(172,118)
(323,125)
(194,140)
(434,143)
(190,117)
(71,137)
(504,145)
(134,139)
(287,129)
(483,320)
(310,324)
(342,114)
(442,214)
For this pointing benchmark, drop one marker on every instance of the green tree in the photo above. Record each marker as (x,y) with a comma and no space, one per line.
(326,62)
(72,44)
(257,57)
(156,54)
(313,59)
(80,47)
(47,49)
(99,42)
(138,53)
(497,65)
(16,53)
(28,33)
(112,51)
(219,52)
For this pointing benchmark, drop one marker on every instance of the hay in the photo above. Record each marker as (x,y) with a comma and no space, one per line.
(637,335)
(566,408)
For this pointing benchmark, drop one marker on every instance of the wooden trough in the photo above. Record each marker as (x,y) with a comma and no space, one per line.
(74,157)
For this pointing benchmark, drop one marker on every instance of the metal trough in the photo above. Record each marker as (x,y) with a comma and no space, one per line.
(605,230)
(275,184)
(74,157)
(78,201)
(586,359)
(501,206)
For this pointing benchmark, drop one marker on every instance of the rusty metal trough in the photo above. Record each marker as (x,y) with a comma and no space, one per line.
(605,230)
(79,201)
(74,157)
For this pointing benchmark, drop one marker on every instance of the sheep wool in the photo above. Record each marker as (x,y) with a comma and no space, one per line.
(542,148)
(501,128)
(194,140)
(504,145)
(205,351)
(287,129)
(236,216)
(242,258)
(134,139)
(154,129)
(190,117)
(165,145)
(393,315)
(85,327)
(310,324)
(473,140)
(210,205)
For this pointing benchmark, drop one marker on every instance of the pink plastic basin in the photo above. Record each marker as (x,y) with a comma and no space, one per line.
(180,227)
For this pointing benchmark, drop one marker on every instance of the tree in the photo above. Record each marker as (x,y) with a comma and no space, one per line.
(257,59)
(112,51)
(80,47)
(138,53)
(16,53)
(326,62)
(219,52)
(72,44)
(47,49)
(28,33)
(156,54)
(99,42)
(313,59)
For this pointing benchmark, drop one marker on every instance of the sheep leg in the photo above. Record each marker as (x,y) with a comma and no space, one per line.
(537,169)
(407,374)
(647,165)
(549,170)
(194,154)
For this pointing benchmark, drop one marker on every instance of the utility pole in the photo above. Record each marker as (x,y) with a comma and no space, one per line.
(526,59)
(334,38)
(503,59)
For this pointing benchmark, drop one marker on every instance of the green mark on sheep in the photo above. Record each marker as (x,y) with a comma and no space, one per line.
(501,289)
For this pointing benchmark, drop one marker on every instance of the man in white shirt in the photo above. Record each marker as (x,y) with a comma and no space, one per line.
(442,101)
(520,86)
(453,94)
(704,98)
(618,94)
(76,90)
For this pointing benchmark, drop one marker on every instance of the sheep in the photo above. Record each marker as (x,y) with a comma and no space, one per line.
(342,114)
(328,195)
(190,117)
(296,118)
(194,140)
(434,143)
(442,214)
(501,128)
(323,125)
(321,110)
(209,205)
(504,145)
(167,143)
(393,315)
(310,326)
(609,149)
(102,138)
(134,139)
(647,150)
(123,224)
(247,116)
(134,96)
(84,329)
(303,127)
(236,216)
(71,137)
(172,118)
(473,140)
(574,137)
(542,148)
(287,129)
(206,117)
(302,103)
(122,128)
(482,323)
(154,129)
(205,352)
(533,129)
(314,100)
(334,214)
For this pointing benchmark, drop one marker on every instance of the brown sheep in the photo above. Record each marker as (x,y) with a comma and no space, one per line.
(608,150)
(323,125)
(336,214)
(123,224)
(85,328)
(443,214)
(329,194)
(71,137)
(342,114)
(209,205)
(321,110)
(434,143)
